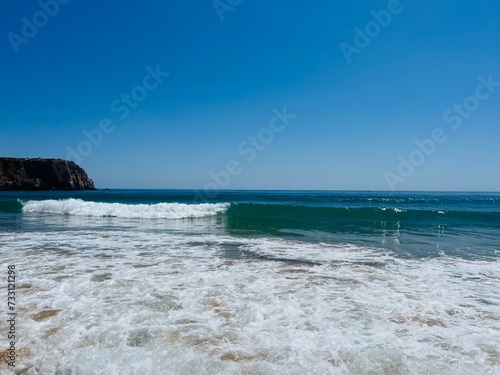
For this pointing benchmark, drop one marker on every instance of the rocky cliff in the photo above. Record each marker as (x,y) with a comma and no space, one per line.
(42,174)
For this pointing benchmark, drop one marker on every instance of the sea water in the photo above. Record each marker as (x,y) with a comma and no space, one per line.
(252,282)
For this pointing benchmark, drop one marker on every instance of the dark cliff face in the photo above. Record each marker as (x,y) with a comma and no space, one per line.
(42,174)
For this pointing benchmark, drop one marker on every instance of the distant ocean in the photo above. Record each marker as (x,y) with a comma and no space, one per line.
(252,282)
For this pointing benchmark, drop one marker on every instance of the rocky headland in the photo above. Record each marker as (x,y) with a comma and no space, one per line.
(42,174)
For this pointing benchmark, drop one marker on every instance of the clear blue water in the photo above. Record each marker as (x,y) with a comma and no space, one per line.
(269,282)
(410,224)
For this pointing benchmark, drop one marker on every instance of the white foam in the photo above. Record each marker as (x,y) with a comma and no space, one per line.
(132,211)
(137,302)
(393,209)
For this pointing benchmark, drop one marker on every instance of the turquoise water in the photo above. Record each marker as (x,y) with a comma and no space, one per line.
(411,224)
(255,281)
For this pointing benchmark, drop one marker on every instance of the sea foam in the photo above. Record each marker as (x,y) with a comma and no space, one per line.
(112,302)
(132,211)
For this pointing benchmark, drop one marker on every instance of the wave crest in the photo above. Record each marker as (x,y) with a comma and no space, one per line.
(131,211)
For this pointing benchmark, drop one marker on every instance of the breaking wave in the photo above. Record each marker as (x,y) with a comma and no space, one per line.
(132,211)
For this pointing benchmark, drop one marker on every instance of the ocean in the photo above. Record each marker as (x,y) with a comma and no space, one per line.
(251,282)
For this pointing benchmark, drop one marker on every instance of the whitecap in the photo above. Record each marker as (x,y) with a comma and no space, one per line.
(132,211)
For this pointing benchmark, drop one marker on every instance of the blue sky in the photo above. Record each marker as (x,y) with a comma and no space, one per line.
(353,118)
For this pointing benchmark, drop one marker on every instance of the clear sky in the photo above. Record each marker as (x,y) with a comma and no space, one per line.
(284,94)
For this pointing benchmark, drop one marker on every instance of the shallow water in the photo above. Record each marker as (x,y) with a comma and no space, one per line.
(114,292)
